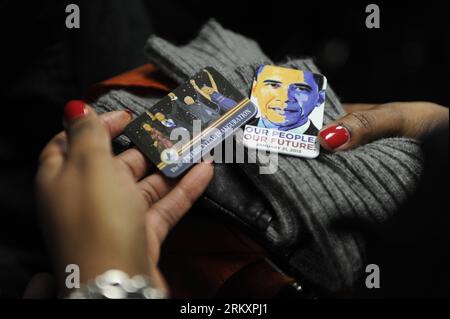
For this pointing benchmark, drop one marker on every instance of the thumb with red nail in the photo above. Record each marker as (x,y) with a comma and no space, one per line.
(74,109)
(102,211)
(367,122)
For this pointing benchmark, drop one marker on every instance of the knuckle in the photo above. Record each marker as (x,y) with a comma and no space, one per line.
(183,199)
(90,159)
(167,217)
(49,161)
(172,211)
(87,129)
(362,120)
(81,127)
(43,157)
(125,165)
(149,192)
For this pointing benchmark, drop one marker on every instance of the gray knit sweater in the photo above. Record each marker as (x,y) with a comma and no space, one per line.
(323,206)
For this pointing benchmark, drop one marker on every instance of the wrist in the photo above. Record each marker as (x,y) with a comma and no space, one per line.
(92,262)
(116,284)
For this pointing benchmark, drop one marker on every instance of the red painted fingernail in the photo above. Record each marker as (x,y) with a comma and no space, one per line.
(335,136)
(74,109)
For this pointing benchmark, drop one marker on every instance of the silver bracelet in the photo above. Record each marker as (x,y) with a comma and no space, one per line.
(116,284)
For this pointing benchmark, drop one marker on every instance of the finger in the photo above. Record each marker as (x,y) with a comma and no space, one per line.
(361,126)
(155,187)
(55,148)
(165,213)
(116,121)
(51,158)
(135,162)
(86,134)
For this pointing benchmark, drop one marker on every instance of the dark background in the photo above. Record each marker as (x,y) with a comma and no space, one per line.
(43,65)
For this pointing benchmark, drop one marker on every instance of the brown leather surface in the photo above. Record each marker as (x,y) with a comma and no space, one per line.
(204,257)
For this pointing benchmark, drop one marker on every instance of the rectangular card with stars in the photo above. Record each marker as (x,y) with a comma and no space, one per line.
(190,121)
(290,111)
